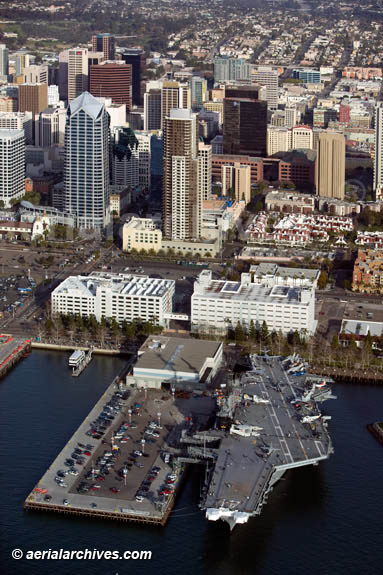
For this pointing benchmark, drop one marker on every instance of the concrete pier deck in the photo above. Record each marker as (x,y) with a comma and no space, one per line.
(12,350)
(100,501)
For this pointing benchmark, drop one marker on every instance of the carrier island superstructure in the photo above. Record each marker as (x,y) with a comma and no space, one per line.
(268,424)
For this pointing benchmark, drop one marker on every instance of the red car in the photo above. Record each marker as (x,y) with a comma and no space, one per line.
(100,478)
(95,487)
(166,492)
(115,490)
(88,453)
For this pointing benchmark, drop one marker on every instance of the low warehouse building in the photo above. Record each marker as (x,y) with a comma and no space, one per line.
(178,362)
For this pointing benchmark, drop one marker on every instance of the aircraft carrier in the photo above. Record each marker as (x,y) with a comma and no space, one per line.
(268,423)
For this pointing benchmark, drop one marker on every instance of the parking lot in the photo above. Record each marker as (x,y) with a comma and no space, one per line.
(93,472)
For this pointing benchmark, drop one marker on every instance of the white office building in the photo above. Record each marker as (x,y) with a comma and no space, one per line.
(53,95)
(123,297)
(18,121)
(268,77)
(12,165)
(217,305)
(77,72)
(86,171)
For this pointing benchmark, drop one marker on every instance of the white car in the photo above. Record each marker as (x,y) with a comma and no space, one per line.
(139,498)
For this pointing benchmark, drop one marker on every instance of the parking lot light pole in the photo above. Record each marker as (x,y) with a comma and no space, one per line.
(159,418)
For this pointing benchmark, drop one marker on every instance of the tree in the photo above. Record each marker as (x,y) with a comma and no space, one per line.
(2,205)
(252,331)
(239,333)
(323,279)
(335,342)
(264,333)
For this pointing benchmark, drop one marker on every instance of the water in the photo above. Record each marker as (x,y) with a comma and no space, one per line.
(322,521)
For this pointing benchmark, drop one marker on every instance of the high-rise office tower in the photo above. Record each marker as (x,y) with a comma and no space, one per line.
(22,62)
(50,128)
(112,80)
(231,69)
(291,116)
(245,125)
(204,170)
(330,165)
(105,43)
(4,66)
(227,178)
(378,161)
(77,72)
(242,183)
(268,77)
(174,95)
(278,140)
(131,169)
(36,74)
(18,121)
(12,165)
(86,169)
(152,109)
(63,75)
(302,138)
(198,91)
(182,201)
(137,59)
(33,98)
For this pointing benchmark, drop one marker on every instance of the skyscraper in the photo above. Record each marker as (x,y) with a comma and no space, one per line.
(105,43)
(268,77)
(50,128)
(86,169)
(378,162)
(12,165)
(242,183)
(112,80)
(152,109)
(245,125)
(4,67)
(137,59)
(36,74)
(22,61)
(204,170)
(77,72)
(33,98)
(182,201)
(198,91)
(63,74)
(174,95)
(330,165)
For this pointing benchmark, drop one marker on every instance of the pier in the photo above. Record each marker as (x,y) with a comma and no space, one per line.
(112,494)
(12,350)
